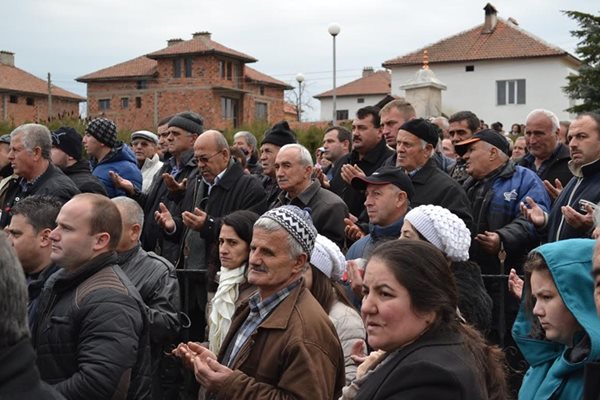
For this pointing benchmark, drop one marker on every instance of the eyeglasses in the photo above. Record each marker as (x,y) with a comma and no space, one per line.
(204,159)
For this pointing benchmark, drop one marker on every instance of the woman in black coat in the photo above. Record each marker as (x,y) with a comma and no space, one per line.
(410,312)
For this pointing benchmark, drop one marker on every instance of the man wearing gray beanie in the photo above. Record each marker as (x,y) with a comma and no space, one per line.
(284,323)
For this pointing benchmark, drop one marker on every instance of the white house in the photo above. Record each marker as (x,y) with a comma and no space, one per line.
(497,70)
(368,90)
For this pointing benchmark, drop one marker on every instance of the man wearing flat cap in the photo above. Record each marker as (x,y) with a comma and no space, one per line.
(275,138)
(496,187)
(281,343)
(145,148)
(108,154)
(415,148)
(67,154)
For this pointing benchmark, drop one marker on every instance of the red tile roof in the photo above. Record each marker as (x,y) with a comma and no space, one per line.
(289,108)
(201,44)
(376,83)
(506,41)
(14,79)
(136,68)
(253,75)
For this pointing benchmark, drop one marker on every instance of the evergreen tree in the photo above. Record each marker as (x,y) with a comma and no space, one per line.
(586,85)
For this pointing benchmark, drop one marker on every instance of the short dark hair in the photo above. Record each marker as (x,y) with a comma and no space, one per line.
(343,134)
(593,115)
(473,122)
(364,112)
(40,211)
(104,217)
(242,222)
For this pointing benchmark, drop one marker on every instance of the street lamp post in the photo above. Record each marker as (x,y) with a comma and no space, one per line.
(299,79)
(334,30)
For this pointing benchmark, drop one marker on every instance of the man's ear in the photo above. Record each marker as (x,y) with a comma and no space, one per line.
(102,241)
(44,237)
(300,263)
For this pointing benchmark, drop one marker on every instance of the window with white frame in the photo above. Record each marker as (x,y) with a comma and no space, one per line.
(510,92)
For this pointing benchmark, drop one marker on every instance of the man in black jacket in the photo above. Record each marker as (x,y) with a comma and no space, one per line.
(33,218)
(67,154)
(30,147)
(155,278)
(91,335)
(416,144)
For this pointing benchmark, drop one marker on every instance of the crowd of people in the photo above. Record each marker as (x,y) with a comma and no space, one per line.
(392,265)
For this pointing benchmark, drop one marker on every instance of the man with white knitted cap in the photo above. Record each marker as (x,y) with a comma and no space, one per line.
(281,342)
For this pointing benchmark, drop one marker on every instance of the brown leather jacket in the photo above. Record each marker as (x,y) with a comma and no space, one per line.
(294,354)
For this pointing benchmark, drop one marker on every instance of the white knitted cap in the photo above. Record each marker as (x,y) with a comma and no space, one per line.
(442,229)
(327,257)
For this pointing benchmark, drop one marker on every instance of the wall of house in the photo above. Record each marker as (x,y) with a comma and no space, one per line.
(166,95)
(19,113)
(476,90)
(349,103)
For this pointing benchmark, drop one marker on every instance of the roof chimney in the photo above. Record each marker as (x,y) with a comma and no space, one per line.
(7,58)
(172,42)
(367,71)
(201,34)
(491,19)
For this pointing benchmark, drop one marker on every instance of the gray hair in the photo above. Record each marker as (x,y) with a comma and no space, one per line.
(250,138)
(13,296)
(548,114)
(34,135)
(130,211)
(305,157)
(270,226)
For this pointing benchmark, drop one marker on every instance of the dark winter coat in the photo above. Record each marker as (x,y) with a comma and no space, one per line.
(53,182)
(585,185)
(435,366)
(152,235)
(555,167)
(433,186)
(20,378)
(81,175)
(496,208)
(370,163)
(328,210)
(91,336)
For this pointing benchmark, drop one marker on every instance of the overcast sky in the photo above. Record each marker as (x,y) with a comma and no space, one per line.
(70,38)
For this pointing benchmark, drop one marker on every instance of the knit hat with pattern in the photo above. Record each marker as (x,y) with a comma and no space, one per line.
(443,229)
(104,130)
(296,222)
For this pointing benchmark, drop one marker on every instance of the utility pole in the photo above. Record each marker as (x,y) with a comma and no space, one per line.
(49,96)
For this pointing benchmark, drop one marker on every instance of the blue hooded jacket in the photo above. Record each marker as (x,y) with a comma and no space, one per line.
(122,161)
(551,375)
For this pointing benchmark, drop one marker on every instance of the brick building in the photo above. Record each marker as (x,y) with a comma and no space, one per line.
(24,97)
(200,75)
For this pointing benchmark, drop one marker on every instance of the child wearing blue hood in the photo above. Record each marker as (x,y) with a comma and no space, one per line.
(557,328)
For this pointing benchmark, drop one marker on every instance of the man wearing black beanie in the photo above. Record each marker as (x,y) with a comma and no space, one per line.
(278,136)
(67,154)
